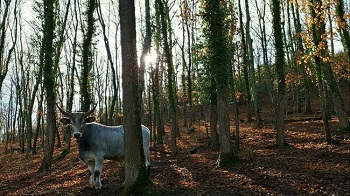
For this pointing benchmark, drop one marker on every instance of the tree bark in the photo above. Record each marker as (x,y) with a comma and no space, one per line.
(135,169)
(38,121)
(145,51)
(3,34)
(171,77)
(245,64)
(343,26)
(214,137)
(214,15)
(318,29)
(49,84)
(250,53)
(325,67)
(86,86)
(280,68)
(157,108)
(112,111)
(157,96)
(298,56)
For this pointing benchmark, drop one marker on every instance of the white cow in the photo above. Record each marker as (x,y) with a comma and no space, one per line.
(97,142)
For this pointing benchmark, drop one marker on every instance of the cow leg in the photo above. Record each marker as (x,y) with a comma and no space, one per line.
(146,152)
(148,170)
(91,167)
(147,165)
(98,172)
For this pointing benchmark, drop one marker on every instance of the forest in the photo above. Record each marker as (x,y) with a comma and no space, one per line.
(241,97)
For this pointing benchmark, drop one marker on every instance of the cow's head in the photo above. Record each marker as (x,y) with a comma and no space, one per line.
(77,120)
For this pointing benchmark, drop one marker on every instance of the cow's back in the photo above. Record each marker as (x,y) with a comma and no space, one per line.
(101,140)
(146,136)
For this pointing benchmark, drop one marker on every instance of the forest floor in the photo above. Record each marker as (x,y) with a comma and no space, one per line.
(308,166)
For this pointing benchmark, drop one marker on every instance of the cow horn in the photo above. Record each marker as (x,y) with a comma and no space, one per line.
(63,112)
(90,111)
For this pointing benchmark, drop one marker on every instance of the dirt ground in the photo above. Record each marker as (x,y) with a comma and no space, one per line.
(308,166)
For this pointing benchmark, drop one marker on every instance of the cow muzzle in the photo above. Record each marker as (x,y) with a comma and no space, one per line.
(77,135)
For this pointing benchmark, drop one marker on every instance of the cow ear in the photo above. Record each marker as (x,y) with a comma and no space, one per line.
(89,119)
(65,121)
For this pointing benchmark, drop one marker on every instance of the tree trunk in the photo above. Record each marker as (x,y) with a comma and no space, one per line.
(235,108)
(38,121)
(3,33)
(49,84)
(331,33)
(112,111)
(70,92)
(15,116)
(298,56)
(245,64)
(86,86)
(214,15)
(318,29)
(171,77)
(188,66)
(157,96)
(295,66)
(253,83)
(20,87)
(135,170)
(145,51)
(280,68)
(326,70)
(264,46)
(9,119)
(59,45)
(214,137)
(343,26)
(185,100)
(30,110)
(157,108)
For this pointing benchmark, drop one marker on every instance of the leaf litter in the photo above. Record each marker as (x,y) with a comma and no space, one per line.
(308,166)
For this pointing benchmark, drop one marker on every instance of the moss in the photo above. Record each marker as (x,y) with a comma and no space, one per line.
(227,160)
(65,152)
(345,129)
(139,186)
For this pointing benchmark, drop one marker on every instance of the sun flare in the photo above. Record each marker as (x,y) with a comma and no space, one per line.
(151,58)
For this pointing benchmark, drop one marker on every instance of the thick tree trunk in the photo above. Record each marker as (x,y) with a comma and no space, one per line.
(227,156)
(280,68)
(214,15)
(135,169)
(337,99)
(318,29)
(86,86)
(49,84)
